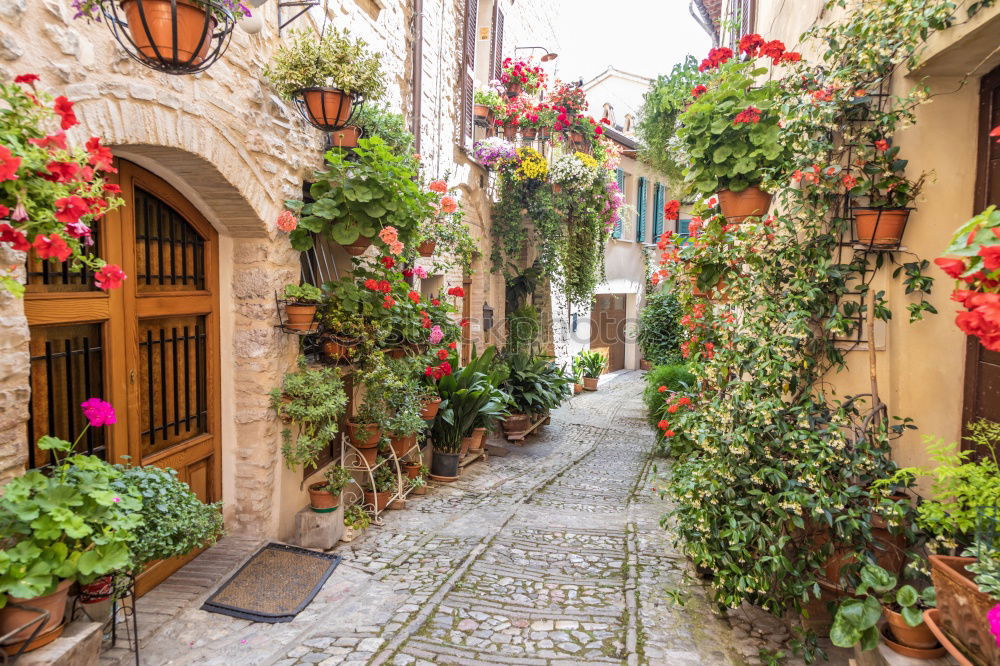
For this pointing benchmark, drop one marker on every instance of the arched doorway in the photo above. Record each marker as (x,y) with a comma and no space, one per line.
(150,348)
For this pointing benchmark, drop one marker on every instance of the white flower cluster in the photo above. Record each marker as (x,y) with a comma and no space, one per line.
(571,171)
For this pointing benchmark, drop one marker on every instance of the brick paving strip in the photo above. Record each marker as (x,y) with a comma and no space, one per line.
(551,555)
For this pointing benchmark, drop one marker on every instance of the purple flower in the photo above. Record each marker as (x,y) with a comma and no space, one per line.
(493,151)
(98,412)
(436,335)
(994,619)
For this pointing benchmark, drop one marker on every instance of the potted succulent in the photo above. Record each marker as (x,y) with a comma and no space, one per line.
(880,595)
(373,195)
(324,497)
(746,149)
(326,74)
(301,302)
(356,521)
(882,182)
(383,486)
(66,523)
(312,400)
(592,365)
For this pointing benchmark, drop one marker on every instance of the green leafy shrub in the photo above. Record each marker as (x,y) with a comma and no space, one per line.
(334,60)
(534,384)
(675,377)
(313,399)
(660,330)
(304,293)
(857,617)
(665,100)
(590,363)
(356,518)
(469,395)
(378,121)
(174,520)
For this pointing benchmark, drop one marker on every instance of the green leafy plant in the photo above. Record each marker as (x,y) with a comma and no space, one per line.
(304,293)
(174,521)
(379,121)
(404,401)
(592,363)
(882,180)
(523,328)
(660,330)
(356,518)
(666,99)
(312,399)
(373,191)
(418,482)
(67,522)
(309,60)
(534,383)
(673,377)
(986,569)
(335,479)
(856,618)
(384,478)
(469,394)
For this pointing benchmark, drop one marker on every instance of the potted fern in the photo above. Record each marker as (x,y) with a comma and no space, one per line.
(326,75)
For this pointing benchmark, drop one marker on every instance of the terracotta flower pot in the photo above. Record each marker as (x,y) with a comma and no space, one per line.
(346,138)
(556,188)
(377,500)
(466,445)
(426,249)
(412,470)
(301,316)
(430,409)
(509,132)
(328,107)
(529,133)
(738,206)
(335,350)
(322,500)
(396,352)
(154,36)
(401,445)
(55,603)
(478,439)
(365,438)
(577,389)
(894,644)
(880,226)
(932,618)
(920,636)
(358,247)
(590,383)
(482,111)
(422,490)
(397,504)
(963,608)
(515,424)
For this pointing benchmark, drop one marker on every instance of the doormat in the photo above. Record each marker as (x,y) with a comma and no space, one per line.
(274,585)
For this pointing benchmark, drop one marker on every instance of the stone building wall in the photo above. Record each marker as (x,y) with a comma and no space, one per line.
(236,151)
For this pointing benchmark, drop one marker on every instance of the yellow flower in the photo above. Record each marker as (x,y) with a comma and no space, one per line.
(587,160)
(533,165)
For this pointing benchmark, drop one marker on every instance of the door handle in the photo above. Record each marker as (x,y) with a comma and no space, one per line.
(131,376)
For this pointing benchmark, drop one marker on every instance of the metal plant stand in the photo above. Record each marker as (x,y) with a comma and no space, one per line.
(353,461)
(123,611)
(38,622)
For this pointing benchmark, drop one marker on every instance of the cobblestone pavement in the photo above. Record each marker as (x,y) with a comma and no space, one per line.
(551,555)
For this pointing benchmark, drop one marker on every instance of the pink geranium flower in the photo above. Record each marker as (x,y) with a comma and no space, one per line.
(994,619)
(436,335)
(98,412)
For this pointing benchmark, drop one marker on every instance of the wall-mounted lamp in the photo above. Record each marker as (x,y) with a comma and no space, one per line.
(548,57)
(487,317)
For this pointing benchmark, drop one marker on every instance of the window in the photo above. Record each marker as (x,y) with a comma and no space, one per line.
(640,210)
(658,202)
(744,14)
(683,230)
(468,74)
(616,232)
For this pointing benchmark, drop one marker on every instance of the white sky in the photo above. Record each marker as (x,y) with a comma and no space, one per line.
(639,36)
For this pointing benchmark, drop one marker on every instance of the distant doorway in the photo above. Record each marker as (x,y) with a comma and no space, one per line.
(607,328)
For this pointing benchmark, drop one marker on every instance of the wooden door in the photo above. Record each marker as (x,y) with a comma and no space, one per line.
(150,348)
(982,367)
(607,329)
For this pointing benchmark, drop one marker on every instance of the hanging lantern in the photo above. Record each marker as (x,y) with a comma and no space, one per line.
(327,109)
(172,36)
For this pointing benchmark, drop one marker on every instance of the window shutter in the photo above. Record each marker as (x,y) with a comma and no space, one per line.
(620,220)
(640,210)
(684,228)
(657,211)
(467,121)
(496,47)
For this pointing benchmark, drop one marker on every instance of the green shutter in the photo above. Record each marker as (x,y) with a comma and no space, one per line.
(658,203)
(683,228)
(619,221)
(640,211)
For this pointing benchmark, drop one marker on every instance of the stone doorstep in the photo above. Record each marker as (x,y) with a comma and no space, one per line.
(185,589)
(79,645)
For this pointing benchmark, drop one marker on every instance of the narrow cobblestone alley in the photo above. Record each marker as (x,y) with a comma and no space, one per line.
(551,555)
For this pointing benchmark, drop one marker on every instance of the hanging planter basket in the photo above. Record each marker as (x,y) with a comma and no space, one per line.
(426,248)
(171,36)
(326,109)
(880,227)
(358,247)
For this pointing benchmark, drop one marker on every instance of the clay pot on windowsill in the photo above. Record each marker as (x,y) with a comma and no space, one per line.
(738,206)
(326,108)
(154,38)
(426,248)
(301,316)
(430,409)
(880,227)
(358,247)
(55,603)
(590,383)
(322,500)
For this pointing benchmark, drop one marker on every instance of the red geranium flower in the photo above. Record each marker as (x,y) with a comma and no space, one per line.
(698,91)
(672,209)
(14,237)
(8,164)
(456,291)
(388,302)
(748,115)
(384,286)
(64,108)
(26,78)
(57,140)
(445,368)
(435,301)
(110,276)
(449,204)
(442,354)
(388,262)
(413,296)
(773,49)
(371,284)
(51,246)
(750,43)
(452,345)
(71,208)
